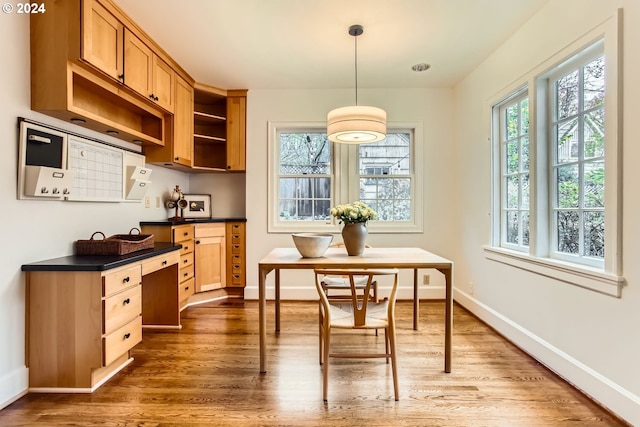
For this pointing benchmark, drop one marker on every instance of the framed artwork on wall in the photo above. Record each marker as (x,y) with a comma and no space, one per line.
(198,206)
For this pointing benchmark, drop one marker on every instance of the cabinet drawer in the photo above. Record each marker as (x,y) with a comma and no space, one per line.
(237,279)
(186,260)
(182,233)
(236,239)
(187,288)
(187,247)
(159,262)
(210,230)
(118,280)
(122,340)
(186,273)
(236,249)
(120,308)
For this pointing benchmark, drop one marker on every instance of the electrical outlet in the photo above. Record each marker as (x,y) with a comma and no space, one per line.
(147,202)
(425,279)
(157,201)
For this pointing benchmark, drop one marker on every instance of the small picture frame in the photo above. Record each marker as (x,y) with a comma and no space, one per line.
(198,206)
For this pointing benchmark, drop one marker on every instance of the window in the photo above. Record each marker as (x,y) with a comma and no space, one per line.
(514,153)
(385,176)
(555,145)
(578,161)
(308,175)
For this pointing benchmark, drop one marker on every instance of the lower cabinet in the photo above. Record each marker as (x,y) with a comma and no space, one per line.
(81,325)
(210,256)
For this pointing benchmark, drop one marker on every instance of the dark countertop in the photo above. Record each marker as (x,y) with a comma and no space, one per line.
(192,221)
(99,262)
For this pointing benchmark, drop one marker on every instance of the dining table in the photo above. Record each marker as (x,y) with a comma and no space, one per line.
(337,257)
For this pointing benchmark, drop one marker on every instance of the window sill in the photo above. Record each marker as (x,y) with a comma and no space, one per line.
(582,276)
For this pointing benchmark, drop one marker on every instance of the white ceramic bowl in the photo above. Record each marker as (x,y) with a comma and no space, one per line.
(312,245)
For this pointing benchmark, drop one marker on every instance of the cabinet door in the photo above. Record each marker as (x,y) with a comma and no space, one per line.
(210,263)
(102,39)
(137,65)
(162,82)
(183,123)
(236,132)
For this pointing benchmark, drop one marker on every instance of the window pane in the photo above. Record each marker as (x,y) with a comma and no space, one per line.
(391,156)
(568,140)
(513,164)
(568,190)
(512,227)
(402,188)
(594,234)
(304,209)
(594,84)
(525,153)
(512,192)
(568,231)
(287,210)
(567,95)
(304,153)
(524,120)
(525,228)
(303,188)
(322,188)
(594,184)
(512,121)
(525,191)
(321,209)
(594,134)
(287,188)
(385,188)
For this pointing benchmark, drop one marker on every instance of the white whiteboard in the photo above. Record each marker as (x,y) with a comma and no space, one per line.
(98,169)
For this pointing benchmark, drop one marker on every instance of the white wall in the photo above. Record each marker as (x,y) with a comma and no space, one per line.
(38,230)
(433,108)
(589,338)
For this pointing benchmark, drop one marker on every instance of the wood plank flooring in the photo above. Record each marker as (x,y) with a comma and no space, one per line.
(207,375)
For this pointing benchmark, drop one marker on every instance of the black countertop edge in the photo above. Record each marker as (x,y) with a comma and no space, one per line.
(192,221)
(99,262)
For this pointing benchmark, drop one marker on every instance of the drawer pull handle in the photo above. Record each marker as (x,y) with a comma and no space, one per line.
(125,302)
(185,261)
(127,336)
(186,274)
(164,262)
(126,279)
(197,242)
(186,233)
(186,288)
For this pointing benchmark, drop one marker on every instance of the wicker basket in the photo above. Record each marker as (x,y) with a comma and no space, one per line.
(118,244)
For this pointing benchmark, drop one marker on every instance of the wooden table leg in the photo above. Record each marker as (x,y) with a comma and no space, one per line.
(262,319)
(416,299)
(448,328)
(277,273)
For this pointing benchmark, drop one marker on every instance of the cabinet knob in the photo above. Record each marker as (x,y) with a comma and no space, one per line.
(127,336)
(126,279)
(121,77)
(197,242)
(186,274)
(151,96)
(186,261)
(164,262)
(186,288)
(125,302)
(228,167)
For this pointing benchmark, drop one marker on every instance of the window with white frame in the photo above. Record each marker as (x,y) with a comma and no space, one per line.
(308,175)
(514,170)
(552,213)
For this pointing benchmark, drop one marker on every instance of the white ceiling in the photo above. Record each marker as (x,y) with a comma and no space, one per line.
(304,44)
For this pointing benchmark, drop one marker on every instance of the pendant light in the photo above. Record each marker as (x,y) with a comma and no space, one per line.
(356,124)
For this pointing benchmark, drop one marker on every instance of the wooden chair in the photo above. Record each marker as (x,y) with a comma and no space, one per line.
(359,312)
(340,284)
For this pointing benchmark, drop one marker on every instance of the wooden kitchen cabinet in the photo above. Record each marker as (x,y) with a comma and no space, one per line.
(179,151)
(219,136)
(146,73)
(83,317)
(183,235)
(210,256)
(236,254)
(83,71)
(102,39)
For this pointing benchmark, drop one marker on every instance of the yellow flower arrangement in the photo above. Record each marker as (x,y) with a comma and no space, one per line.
(353,212)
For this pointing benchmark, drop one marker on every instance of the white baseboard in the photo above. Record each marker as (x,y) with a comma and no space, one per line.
(607,393)
(13,386)
(309,293)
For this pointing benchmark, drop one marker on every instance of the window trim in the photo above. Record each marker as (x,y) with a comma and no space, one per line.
(609,279)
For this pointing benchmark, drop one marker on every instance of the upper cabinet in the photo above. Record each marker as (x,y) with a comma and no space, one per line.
(92,65)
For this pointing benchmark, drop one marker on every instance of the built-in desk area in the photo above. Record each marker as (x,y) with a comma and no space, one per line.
(84,314)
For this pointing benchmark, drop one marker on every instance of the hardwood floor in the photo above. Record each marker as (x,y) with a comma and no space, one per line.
(207,375)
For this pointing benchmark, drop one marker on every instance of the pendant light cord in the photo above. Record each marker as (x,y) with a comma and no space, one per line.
(356,66)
